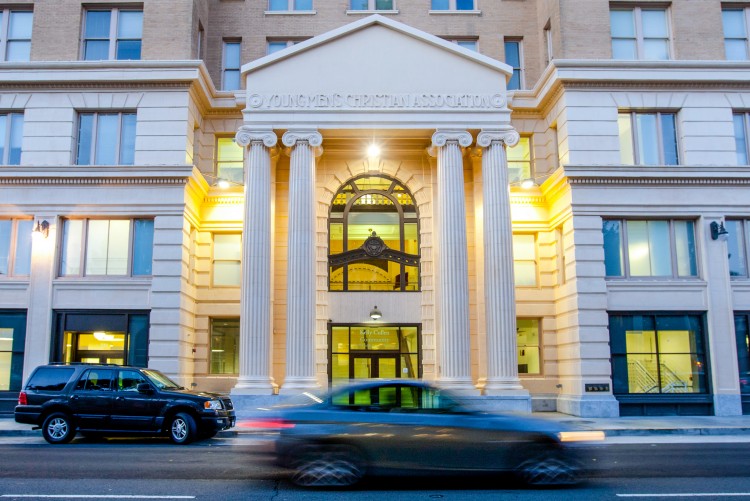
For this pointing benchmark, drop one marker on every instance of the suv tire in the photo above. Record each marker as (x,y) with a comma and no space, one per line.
(58,428)
(182,428)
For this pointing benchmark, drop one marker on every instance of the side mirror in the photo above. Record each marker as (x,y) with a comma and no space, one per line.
(145,388)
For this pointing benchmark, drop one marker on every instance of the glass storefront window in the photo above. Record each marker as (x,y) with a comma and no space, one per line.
(225,349)
(658,354)
(12,341)
(742,333)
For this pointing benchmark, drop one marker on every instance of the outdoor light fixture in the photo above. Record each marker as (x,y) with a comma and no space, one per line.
(527,184)
(373,150)
(718,230)
(41,228)
(223,184)
(375,313)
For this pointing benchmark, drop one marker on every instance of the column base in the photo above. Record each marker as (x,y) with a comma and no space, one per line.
(254,386)
(503,386)
(462,386)
(294,385)
(603,406)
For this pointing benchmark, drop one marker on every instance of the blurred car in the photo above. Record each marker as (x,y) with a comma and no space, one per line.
(403,426)
(106,399)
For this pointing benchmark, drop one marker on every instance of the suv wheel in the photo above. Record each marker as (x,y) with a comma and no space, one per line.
(182,428)
(58,428)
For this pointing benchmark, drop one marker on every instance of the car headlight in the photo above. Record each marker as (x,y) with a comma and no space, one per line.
(581,436)
(213,405)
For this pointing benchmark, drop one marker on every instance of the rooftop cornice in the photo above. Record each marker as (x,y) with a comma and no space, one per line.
(654,175)
(96,175)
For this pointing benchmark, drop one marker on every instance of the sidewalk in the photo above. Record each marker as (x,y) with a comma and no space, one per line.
(648,426)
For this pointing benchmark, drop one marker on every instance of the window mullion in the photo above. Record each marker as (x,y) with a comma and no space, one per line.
(640,50)
(12,248)
(746,239)
(660,139)
(8,124)
(113,33)
(6,34)
(625,249)
(118,139)
(131,249)
(634,137)
(94,136)
(746,125)
(746,12)
(673,249)
(84,247)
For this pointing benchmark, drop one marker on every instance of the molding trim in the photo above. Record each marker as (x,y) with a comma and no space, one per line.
(246,135)
(486,137)
(665,181)
(64,181)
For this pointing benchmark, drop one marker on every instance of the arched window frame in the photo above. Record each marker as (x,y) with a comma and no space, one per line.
(374,247)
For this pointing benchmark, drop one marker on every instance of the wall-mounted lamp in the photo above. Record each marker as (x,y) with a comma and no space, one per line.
(375,313)
(718,230)
(41,228)
(529,183)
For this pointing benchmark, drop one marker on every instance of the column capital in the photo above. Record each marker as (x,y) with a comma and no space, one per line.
(311,137)
(441,137)
(245,135)
(508,136)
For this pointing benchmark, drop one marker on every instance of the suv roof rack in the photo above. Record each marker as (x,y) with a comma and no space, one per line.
(83,363)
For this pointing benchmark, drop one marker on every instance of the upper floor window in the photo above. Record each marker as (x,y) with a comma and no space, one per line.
(229,160)
(227,260)
(107,247)
(225,346)
(737,245)
(11,136)
(524,259)
(649,248)
(527,345)
(371,4)
(287,5)
(520,161)
(106,139)
(513,58)
(452,5)
(15,34)
(639,33)
(735,33)
(230,66)
(548,43)
(740,137)
(648,138)
(112,34)
(15,247)
(373,236)
(277,45)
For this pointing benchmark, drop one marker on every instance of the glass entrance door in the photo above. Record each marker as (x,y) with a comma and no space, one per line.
(95,347)
(369,366)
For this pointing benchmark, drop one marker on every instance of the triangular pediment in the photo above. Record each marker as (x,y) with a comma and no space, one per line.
(376,72)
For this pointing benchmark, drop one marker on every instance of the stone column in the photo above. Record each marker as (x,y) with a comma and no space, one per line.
(303,146)
(255,298)
(499,289)
(453,264)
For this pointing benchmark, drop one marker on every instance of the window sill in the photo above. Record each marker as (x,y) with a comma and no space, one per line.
(455,12)
(290,12)
(369,12)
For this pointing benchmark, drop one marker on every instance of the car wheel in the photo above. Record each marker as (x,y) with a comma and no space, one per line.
(182,429)
(58,428)
(328,468)
(550,469)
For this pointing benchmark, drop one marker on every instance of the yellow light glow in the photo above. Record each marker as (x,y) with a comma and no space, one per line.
(581,436)
(373,150)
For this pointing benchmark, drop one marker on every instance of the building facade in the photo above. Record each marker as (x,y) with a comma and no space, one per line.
(542,205)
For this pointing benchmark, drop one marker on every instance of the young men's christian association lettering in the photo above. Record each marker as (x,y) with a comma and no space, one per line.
(376,101)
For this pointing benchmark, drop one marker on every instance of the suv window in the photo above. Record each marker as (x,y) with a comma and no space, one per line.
(129,380)
(49,379)
(96,380)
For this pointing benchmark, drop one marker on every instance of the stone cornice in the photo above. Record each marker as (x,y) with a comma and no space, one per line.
(96,175)
(651,176)
(98,181)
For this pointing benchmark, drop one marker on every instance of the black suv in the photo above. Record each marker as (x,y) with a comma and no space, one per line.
(103,399)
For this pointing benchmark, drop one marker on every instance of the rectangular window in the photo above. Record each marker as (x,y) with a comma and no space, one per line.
(527,344)
(229,160)
(466,43)
(290,5)
(452,5)
(639,33)
(225,346)
(520,161)
(227,260)
(513,57)
(11,137)
(550,55)
(740,137)
(15,247)
(648,138)
(649,248)
(742,334)
(370,4)
(657,354)
(275,45)
(106,138)
(524,260)
(735,33)
(737,245)
(112,34)
(107,247)
(15,34)
(230,72)
(12,341)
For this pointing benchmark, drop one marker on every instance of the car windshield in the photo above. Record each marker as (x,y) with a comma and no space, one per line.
(160,380)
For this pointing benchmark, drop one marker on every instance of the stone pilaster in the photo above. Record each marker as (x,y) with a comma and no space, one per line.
(255,298)
(453,264)
(303,146)
(499,289)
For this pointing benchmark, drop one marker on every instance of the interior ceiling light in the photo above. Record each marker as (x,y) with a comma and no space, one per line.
(373,150)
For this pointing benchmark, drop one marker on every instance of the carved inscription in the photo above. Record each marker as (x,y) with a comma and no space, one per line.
(376,101)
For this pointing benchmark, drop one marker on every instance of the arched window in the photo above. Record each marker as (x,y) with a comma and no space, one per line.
(373,242)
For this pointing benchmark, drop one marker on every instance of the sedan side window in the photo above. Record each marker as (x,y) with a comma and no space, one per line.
(96,380)
(129,380)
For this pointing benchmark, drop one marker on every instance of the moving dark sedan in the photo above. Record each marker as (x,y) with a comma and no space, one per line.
(394,427)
